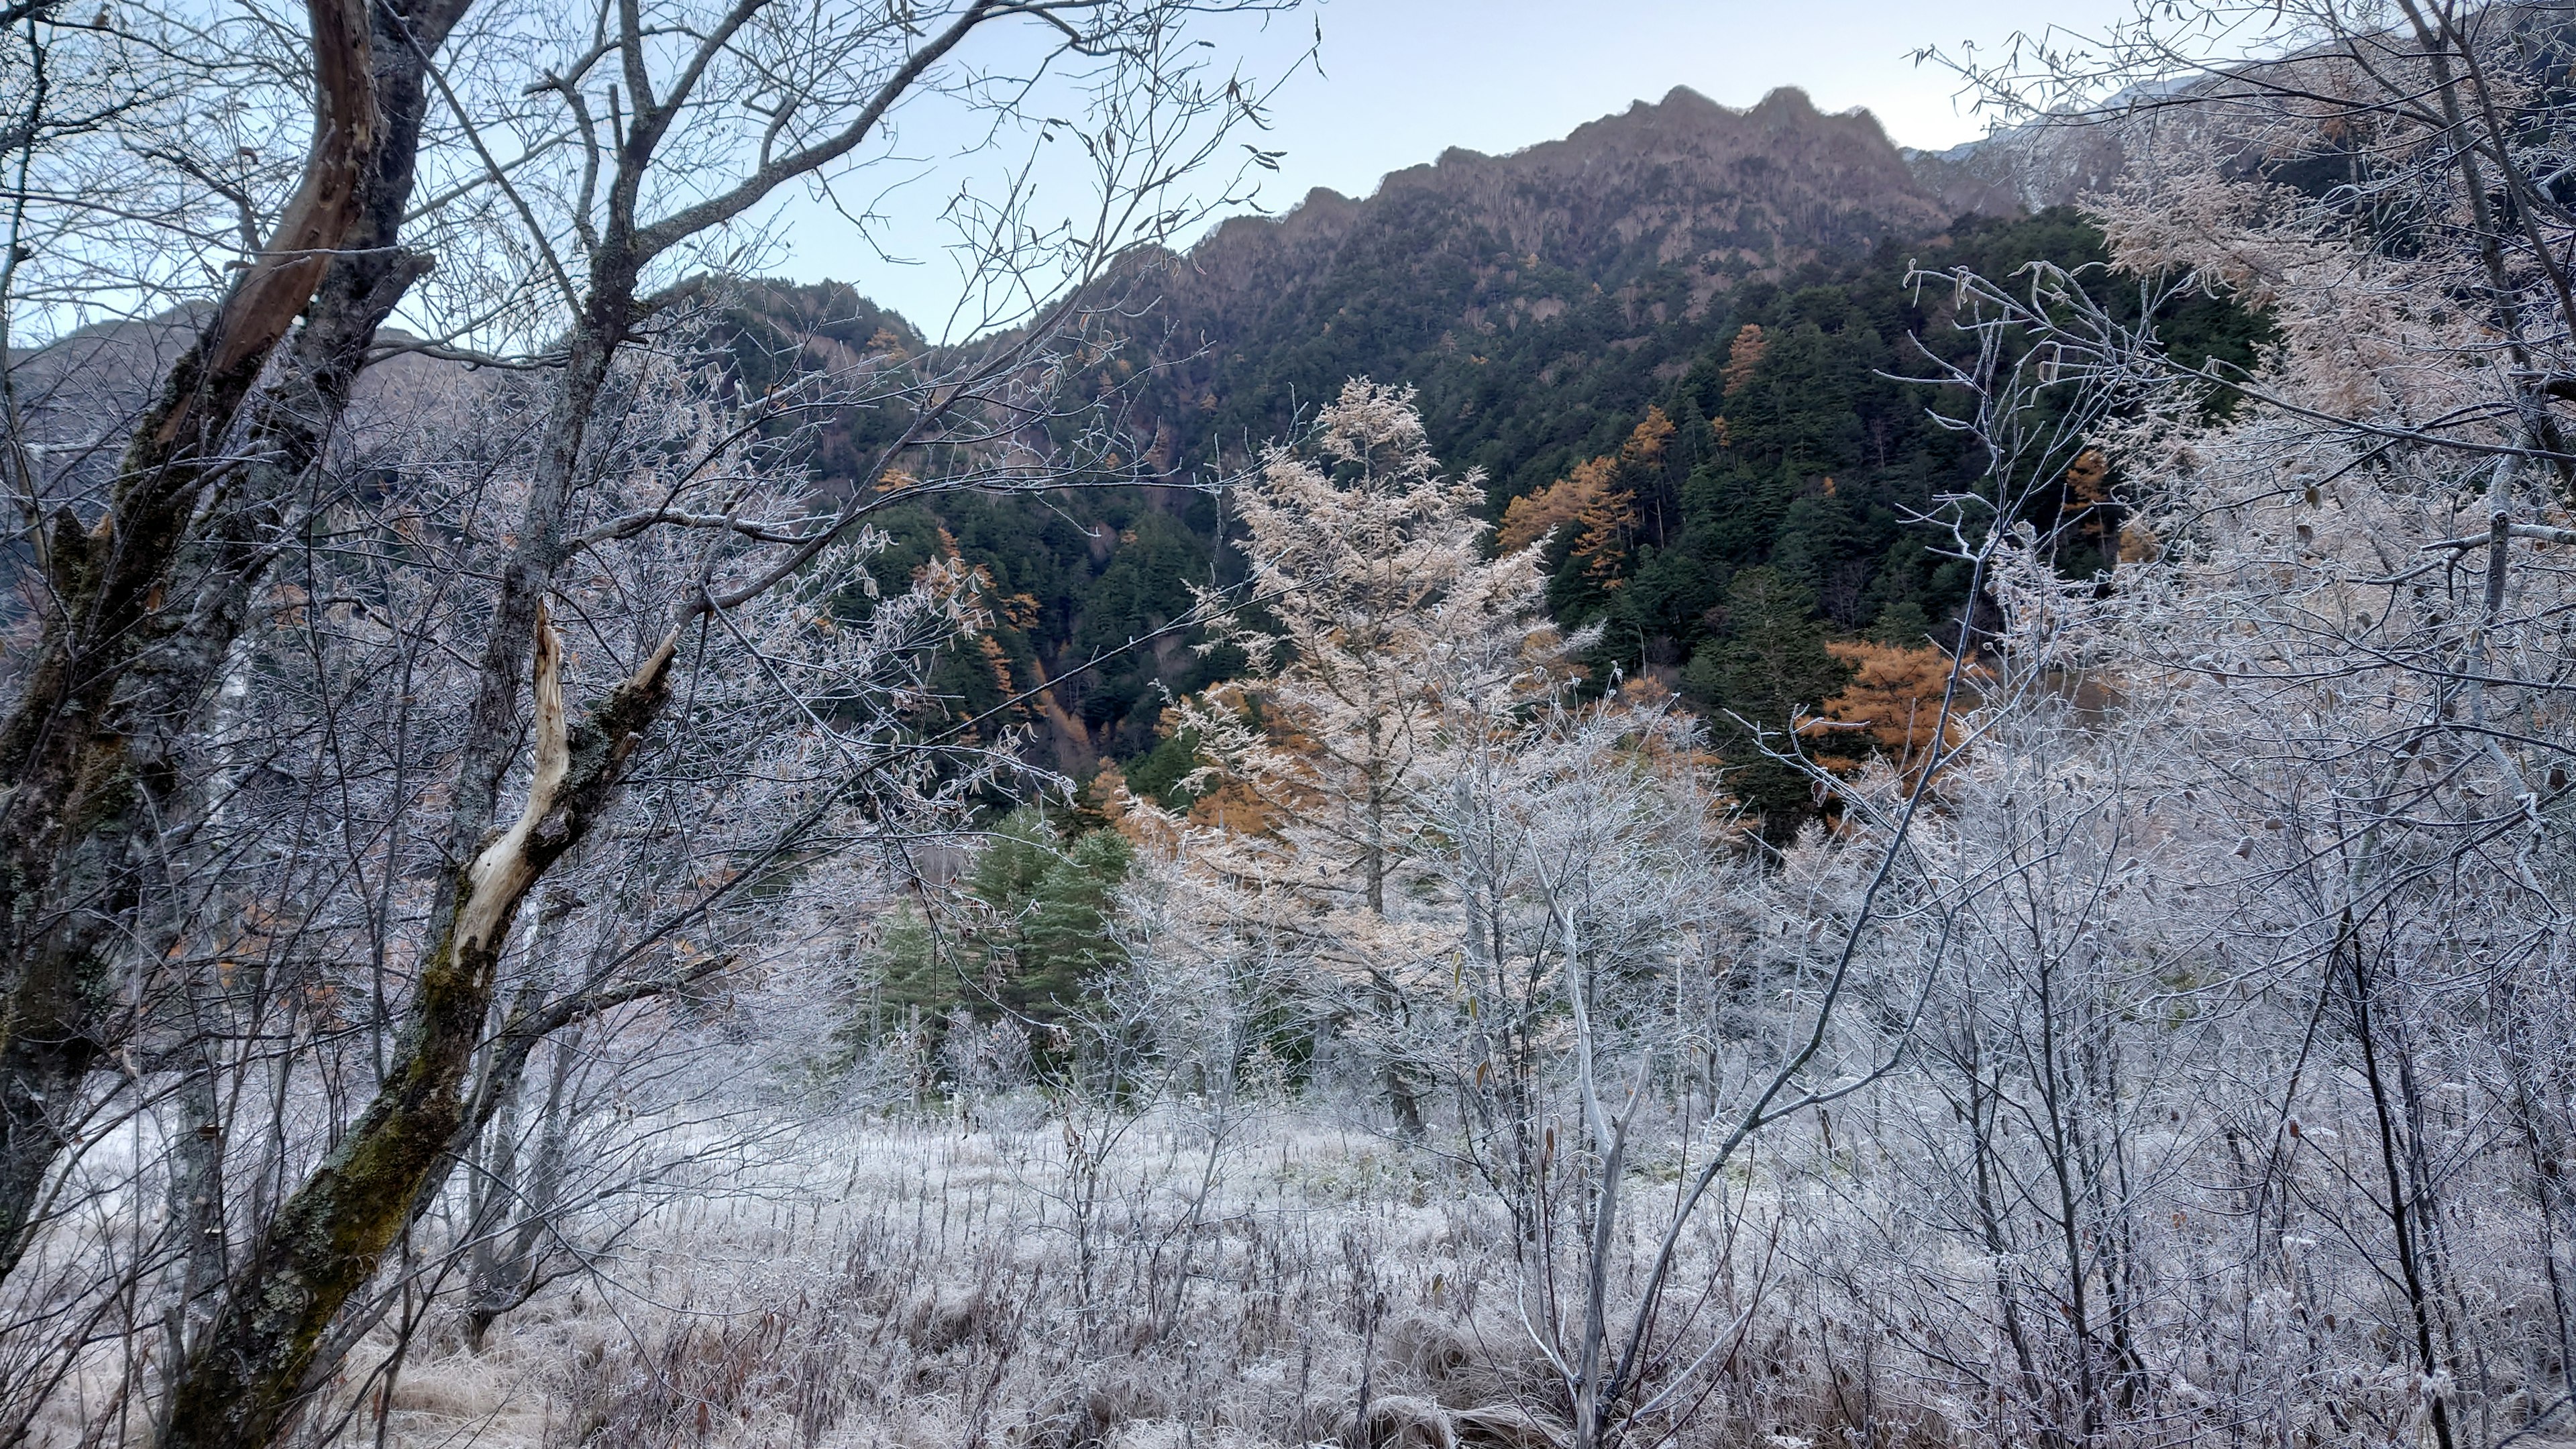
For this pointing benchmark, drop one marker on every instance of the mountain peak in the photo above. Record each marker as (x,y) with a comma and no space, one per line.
(1684,186)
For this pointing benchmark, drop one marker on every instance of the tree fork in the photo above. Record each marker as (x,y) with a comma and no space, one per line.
(243,1384)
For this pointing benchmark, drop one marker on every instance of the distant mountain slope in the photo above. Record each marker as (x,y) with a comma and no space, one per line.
(1538,300)
(1533,297)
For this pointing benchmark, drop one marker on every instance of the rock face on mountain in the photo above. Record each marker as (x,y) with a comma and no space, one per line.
(1683,183)
(1579,267)
(2027,168)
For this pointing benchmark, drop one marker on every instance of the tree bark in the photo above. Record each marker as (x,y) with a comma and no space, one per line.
(72,822)
(138,673)
(244,1383)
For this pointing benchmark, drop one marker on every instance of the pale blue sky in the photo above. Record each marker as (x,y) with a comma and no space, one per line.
(1401,80)
(1405,78)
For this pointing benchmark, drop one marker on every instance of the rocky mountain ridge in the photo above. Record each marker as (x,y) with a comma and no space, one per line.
(1719,192)
(1586,270)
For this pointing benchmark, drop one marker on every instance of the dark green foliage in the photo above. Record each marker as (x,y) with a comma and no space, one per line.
(1044,927)
(1160,773)
(1062,597)
(1803,465)
(1812,463)
(1033,937)
(1823,458)
(914,968)
(1063,941)
(1068,578)
(1765,660)
(1902,624)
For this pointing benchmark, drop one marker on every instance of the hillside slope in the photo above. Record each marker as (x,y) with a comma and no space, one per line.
(1531,297)
(1539,301)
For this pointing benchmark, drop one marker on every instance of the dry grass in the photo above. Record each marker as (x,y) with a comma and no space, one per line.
(946,1285)
(934,1285)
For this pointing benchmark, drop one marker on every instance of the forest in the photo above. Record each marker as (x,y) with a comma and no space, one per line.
(1656,792)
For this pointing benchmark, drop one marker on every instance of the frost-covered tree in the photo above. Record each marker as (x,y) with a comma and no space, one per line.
(1376,616)
(1378,627)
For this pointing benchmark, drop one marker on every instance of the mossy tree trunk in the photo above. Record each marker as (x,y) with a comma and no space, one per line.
(74,824)
(244,1381)
(248,1376)
(279,1327)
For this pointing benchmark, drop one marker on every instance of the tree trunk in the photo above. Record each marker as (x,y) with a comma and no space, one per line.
(510,1274)
(245,1382)
(2402,1210)
(71,826)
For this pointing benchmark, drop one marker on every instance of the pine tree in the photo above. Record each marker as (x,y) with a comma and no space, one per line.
(1033,935)
(1770,662)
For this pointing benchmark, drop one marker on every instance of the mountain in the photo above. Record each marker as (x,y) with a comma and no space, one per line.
(1540,301)
(2026,168)
(1580,270)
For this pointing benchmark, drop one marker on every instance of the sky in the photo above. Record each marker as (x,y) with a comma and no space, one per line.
(1404,79)
(1399,81)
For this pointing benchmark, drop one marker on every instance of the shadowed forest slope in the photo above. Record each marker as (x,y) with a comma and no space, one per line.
(1539,301)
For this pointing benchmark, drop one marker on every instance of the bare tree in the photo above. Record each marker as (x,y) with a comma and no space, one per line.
(156,632)
(102,581)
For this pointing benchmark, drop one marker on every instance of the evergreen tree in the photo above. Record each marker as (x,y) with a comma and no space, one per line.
(1382,614)
(1769,662)
(1390,644)
(1061,937)
(1034,934)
